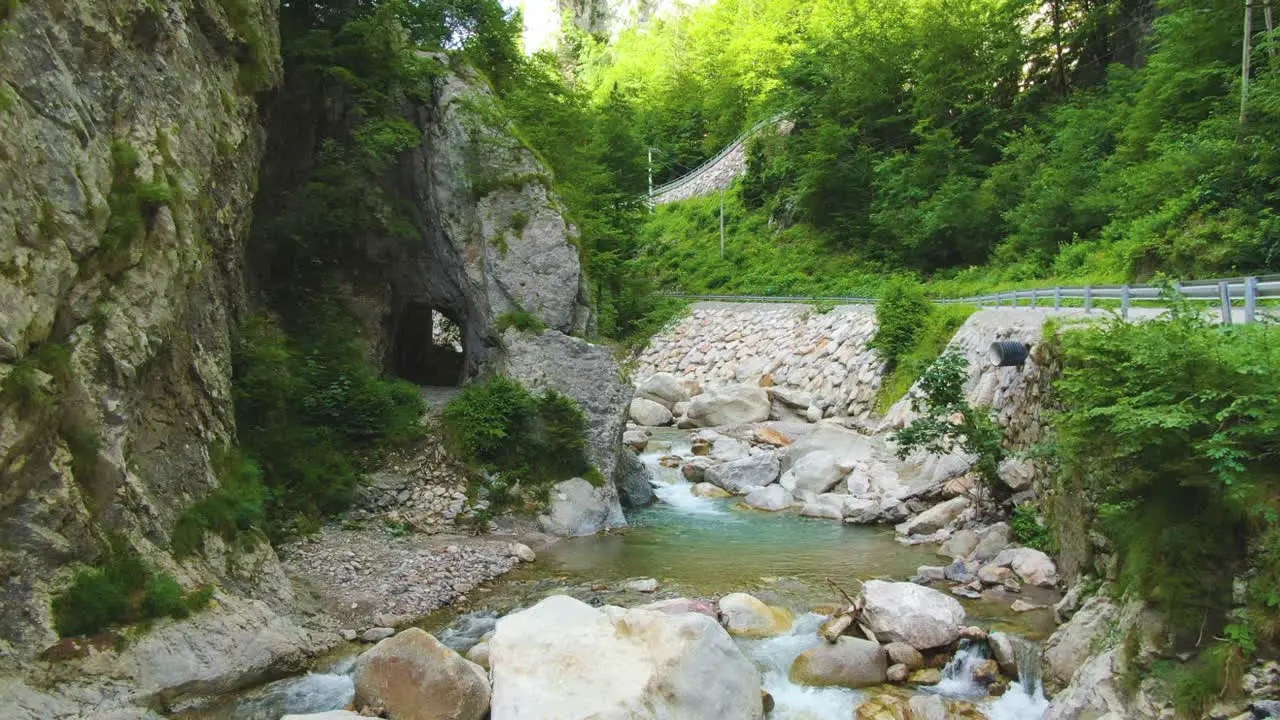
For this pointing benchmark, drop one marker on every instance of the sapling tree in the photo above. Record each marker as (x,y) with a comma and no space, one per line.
(947,422)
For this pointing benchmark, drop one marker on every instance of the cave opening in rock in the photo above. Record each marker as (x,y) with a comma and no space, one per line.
(428,348)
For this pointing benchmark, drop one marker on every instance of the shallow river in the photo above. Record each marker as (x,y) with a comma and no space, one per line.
(694,547)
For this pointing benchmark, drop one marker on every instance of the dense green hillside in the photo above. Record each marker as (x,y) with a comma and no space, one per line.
(978,143)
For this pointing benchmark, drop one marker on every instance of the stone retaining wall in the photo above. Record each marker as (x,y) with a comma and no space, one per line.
(784,345)
(715,177)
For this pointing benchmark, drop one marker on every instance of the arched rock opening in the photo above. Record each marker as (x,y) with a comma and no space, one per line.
(429,346)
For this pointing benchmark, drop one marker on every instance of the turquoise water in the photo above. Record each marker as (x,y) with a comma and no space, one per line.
(694,547)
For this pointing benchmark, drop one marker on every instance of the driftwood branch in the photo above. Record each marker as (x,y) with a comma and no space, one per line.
(832,629)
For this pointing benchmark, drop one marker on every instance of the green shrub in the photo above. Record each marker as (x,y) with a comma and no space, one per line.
(233,511)
(901,313)
(131,202)
(1174,426)
(939,327)
(123,589)
(309,409)
(520,443)
(519,221)
(520,320)
(941,398)
(1028,529)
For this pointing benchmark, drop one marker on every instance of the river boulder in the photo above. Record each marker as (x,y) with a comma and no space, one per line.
(1029,564)
(959,545)
(860,511)
(649,413)
(565,660)
(850,662)
(746,616)
(663,388)
(411,676)
(815,472)
(741,476)
(707,490)
(576,508)
(901,653)
(916,615)
(680,606)
(1068,648)
(726,449)
(770,497)
(935,518)
(883,707)
(729,405)
(828,506)
(848,447)
(991,542)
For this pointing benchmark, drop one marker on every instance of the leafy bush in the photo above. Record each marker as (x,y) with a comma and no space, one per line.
(308,405)
(1028,529)
(123,589)
(939,327)
(1174,426)
(520,320)
(900,316)
(520,443)
(940,400)
(233,511)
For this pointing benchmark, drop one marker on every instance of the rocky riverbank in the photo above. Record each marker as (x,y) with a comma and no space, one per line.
(375,578)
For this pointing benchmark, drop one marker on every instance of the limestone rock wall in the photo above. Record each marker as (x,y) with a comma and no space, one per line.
(489,235)
(825,354)
(129,150)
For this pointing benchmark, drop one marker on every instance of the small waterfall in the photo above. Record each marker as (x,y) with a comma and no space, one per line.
(1024,700)
(670,485)
(957,676)
(774,657)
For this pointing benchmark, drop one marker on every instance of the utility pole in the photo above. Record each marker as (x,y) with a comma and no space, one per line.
(1244,58)
(650,179)
(721,224)
(1271,29)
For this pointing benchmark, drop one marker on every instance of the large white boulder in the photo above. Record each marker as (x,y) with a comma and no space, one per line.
(747,616)
(916,615)
(741,476)
(1029,564)
(815,472)
(770,497)
(663,388)
(860,511)
(935,518)
(827,505)
(649,413)
(412,676)
(846,446)
(849,662)
(791,397)
(1068,648)
(727,449)
(565,660)
(729,405)
(576,508)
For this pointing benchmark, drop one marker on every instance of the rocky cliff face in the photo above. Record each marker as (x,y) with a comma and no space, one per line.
(129,145)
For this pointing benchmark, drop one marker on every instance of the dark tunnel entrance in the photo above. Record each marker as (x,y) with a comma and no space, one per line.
(428,348)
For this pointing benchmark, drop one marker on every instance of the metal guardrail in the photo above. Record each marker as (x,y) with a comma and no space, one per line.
(694,173)
(1225,291)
